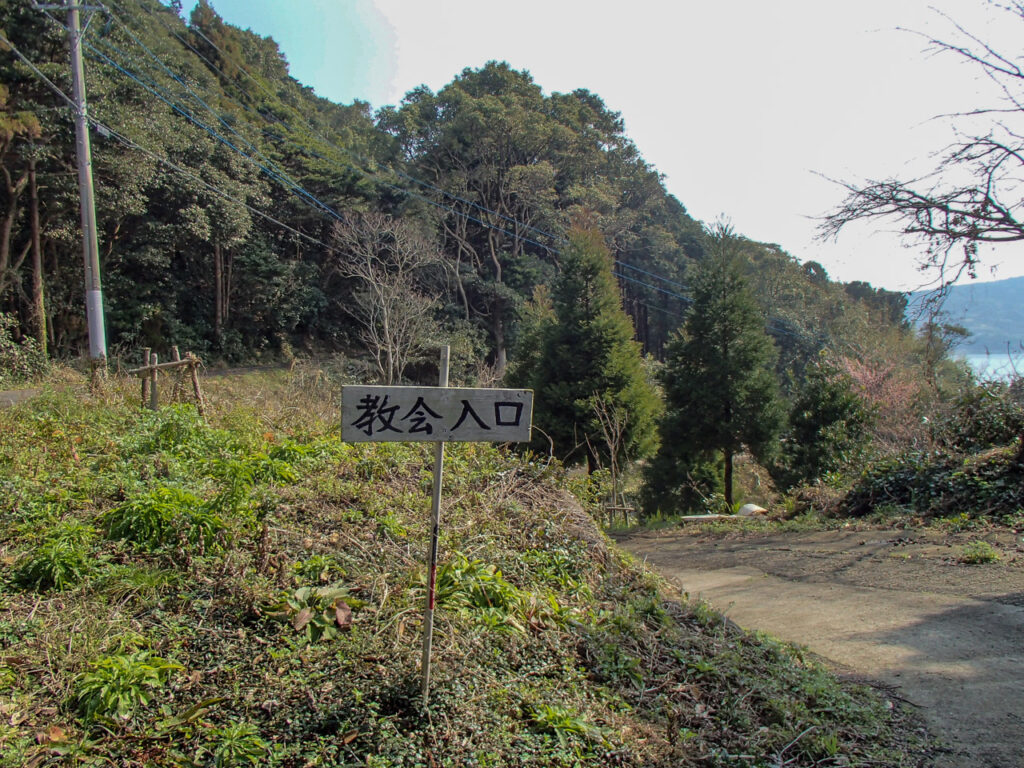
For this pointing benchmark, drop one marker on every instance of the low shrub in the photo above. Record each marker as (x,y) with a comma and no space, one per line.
(982,416)
(19,361)
(989,483)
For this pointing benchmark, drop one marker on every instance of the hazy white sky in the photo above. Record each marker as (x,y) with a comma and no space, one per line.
(740,103)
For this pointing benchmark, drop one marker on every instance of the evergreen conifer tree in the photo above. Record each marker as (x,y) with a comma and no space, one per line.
(588,355)
(828,425)
(721,394)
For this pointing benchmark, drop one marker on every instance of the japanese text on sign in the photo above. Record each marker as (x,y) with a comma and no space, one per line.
(435,414)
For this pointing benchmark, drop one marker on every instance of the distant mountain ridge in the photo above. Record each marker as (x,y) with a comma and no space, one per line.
(993,313)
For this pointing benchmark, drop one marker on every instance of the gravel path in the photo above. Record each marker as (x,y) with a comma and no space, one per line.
(894,606)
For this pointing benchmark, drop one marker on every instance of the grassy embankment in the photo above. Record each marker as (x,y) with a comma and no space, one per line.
(250,593)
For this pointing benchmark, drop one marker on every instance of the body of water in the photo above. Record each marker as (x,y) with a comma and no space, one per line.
(997,366)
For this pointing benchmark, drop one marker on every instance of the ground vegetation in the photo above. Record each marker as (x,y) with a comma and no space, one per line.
(249,591)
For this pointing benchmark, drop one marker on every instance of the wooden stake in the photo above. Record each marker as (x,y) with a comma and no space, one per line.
(194,370)
(435,527)
(154,399)
(176,392)
(145,379)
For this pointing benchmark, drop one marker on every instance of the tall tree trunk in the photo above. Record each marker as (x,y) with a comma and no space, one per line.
(218,292)
(38,301)
(458,284)
(14,190)
(229,263)
(500,348)
(728,478)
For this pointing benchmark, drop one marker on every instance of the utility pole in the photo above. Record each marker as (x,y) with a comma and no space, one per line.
(90,241)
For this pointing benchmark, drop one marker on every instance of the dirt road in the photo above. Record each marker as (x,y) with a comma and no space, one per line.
(894,606)
(16,396)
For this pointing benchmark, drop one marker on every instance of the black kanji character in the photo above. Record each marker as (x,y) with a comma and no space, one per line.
(467,410)
(419,414)
(375,410)
(507,421)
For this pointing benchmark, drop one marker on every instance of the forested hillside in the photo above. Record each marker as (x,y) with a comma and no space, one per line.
(232,202)
(991,313)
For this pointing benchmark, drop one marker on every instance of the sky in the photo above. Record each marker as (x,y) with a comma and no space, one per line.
(749,108)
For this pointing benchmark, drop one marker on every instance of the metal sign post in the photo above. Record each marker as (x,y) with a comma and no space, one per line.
(435,529)
(434,414)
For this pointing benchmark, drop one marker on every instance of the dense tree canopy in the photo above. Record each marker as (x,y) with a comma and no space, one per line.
(220,181)
(827,426)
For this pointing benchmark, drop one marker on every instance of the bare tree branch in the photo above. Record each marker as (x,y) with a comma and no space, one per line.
(975,195)
(388,259)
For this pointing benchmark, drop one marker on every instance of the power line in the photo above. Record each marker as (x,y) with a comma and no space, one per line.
(155,91)
(103,128)
(401,174)
(295,187)
(278,173)
(684,299)
(652,274)
(371,176)
(164,161)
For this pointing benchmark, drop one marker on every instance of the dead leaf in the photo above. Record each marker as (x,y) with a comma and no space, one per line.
(51,735)
(302,618)
(343,615)
(350,736)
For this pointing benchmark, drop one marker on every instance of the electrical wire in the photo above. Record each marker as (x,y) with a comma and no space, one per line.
(271,167)
(103,128)
(164,161)
(359,169)
(155,91)
(295,187)
(301,191)
(348,152)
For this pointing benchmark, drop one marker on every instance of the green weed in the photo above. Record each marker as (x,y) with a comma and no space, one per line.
(567,726)
(475,588)
(978,553)
(232,745)
(60,560)
(317,569)
(164,517)
(119,685)
(957,523)
(319,613)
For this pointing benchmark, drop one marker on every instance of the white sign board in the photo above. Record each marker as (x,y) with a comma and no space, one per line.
(435,414)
